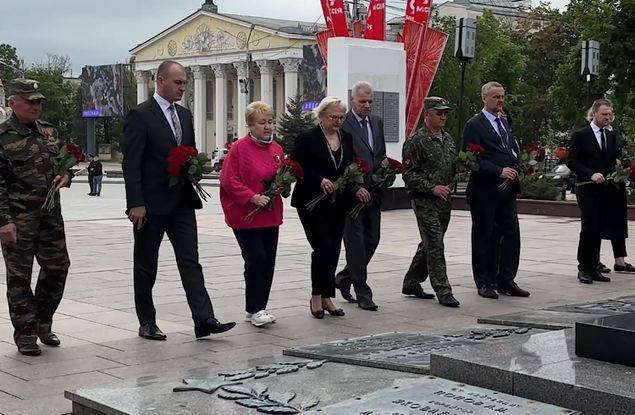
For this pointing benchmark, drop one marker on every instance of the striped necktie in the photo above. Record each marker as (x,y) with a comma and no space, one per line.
(178,132)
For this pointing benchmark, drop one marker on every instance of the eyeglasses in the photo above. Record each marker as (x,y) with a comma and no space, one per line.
(337,117)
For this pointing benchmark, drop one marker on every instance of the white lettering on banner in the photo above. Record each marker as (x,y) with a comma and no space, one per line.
(337,10)
(378,6)
(422,9)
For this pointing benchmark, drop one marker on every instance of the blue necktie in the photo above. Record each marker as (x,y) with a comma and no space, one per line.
(364,123)
(502,132)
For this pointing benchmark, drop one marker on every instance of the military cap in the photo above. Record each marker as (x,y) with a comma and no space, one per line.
(436,103)
(26,88)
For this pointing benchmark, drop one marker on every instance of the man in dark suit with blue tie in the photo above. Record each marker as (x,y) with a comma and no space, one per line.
(151,131)
(361,234)
(495,229)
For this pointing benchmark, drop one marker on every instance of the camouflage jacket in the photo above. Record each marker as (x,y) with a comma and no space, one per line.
(26,167)
(428,162)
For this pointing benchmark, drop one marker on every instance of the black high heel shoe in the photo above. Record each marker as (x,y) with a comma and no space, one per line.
(338,312)
(318,313)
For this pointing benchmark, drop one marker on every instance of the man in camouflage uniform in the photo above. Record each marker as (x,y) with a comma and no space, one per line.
(429,158)
(26,231)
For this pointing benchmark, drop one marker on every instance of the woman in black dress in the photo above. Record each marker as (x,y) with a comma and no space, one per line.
(324,153)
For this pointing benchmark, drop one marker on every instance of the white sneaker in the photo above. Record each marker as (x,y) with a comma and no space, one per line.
(248,317)
(261,318)
(273,318)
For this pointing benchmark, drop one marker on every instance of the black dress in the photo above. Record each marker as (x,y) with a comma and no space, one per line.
(324,225)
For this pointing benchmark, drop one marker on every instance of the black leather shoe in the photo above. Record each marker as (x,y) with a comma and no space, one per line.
(337,312)
(585,277)
(417,291)
(319,314)
(603,268)
(345,289)
(49,338)
(513,290)
(27,344)
(487,292)
(626,268)
(150,331)
(367,305)
(448,300)
(599,277)
(211,326)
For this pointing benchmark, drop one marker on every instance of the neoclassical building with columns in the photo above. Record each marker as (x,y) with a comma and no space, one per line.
(231,60)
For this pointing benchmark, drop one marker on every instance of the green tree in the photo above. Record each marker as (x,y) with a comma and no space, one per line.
(292,123)
(9,63)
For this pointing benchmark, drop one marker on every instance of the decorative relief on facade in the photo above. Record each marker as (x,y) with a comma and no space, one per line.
(206,40)
(172,48)
(160,50)
(241,40)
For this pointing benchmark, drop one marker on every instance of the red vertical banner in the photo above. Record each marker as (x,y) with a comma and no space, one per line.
(326,11)
(358,31)
(399,38)
(322,40)
(338,17)
(376,20)
(411,42)
(417,11)
(429,55)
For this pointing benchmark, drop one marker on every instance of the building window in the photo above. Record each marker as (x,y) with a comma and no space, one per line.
(210,99)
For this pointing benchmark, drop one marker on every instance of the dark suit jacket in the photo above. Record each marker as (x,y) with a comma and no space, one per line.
(147,142)
(361,149)
(585,159)
(312,152)
(478,130)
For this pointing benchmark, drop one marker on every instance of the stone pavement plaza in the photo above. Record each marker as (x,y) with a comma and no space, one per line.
(97,324)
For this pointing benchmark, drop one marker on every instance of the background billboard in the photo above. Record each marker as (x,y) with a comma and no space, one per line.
(103,91)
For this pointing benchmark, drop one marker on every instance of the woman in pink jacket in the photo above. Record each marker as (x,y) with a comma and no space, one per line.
(252,161)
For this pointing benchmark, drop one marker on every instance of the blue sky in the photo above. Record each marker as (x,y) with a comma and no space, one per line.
(96,32)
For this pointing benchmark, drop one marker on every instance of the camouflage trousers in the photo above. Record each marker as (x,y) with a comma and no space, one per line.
(433,217)
(41,236)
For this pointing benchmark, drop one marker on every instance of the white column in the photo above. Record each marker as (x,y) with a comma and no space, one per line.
(242,70)
(267,69)
(291,67)
(220,99)
(142,77)
(200,106)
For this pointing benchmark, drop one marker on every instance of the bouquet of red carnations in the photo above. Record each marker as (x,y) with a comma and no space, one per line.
(290,172)
(529,157)
(185,163)
(69,156)
(467,161)
(354,173)
(382,179)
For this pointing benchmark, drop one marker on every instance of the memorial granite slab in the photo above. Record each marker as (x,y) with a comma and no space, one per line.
(539,319)
(542,366)
(269,385)
(603,307)
(407,352)
(432,395)
(591,339)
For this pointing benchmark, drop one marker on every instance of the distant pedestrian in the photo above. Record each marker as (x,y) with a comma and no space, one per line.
(95,169)
(91,176)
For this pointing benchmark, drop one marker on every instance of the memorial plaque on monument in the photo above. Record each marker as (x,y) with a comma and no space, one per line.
(610,339)
(407,352)
(540,319)
(391,117)
(432,395)
(542,367)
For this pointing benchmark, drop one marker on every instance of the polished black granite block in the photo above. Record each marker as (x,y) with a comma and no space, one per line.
(610,339)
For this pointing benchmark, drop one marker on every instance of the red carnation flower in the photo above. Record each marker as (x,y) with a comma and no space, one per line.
(540,152)
(632,176)
(75,151)
(363,167)
(295,166)
(476,149)
(396,165)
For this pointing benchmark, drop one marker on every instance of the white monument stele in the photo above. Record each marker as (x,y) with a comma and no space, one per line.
(383,65)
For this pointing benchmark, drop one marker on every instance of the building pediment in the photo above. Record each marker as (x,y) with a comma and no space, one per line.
(204,34)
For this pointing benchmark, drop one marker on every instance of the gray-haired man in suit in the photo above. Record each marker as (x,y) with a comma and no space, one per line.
(361,234)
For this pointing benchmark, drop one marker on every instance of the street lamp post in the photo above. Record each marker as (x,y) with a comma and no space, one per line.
(464,48)
(590,64)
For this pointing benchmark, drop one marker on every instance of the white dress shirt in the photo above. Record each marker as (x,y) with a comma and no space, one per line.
(598,134)
(165,107)
(359,119)
(492,120)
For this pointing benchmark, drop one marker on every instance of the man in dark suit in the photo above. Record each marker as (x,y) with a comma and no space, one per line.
(592,156)
(151,131)
(361,234)
(495,229)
